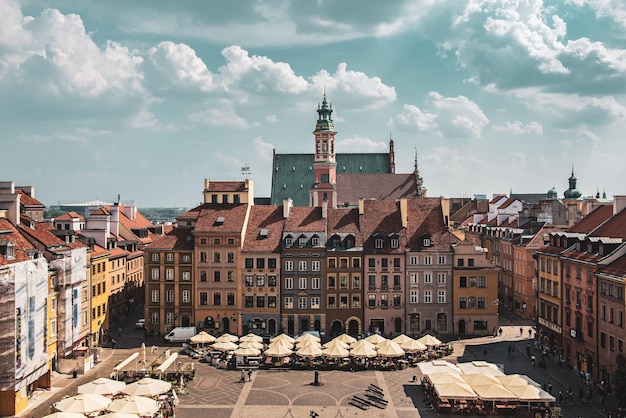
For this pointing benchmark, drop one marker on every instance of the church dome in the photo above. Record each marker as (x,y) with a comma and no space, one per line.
(552,194)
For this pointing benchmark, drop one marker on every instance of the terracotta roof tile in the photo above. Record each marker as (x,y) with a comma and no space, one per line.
(305,219)
(614,227)
(20,243)
(383,186)
(616,268)
(26,200)
(69,216)
(593,220)
(224,218)
(42,233)
(345,221)
(227,186)
(264,231)
(426,217)
(177,239)
(382,217)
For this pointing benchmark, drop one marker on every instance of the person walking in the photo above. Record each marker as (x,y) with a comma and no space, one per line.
(250,375)
(243,377)
(113,343)
(521,331)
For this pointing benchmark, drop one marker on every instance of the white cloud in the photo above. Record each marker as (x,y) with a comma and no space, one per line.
(449,117)
(219,116)
(519,128)
(272,119)
(360,144)
(264,150)
(612,9)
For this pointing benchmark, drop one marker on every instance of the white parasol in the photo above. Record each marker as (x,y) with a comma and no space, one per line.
(283,337)
(429,340)
(278,350)
(363,350)
(375,339)
(247,351)
(225,346)
(251,337)
(102,386)
(202,338)
(389,349)
(310,351)
(251,344)
(147,387)
(413,346)
(228,338)
(139,405)
(401,339)
(84,403)
(336,343)
(346,339)
(336,351)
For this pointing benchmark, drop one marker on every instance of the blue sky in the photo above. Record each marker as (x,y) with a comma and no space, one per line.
(147,98)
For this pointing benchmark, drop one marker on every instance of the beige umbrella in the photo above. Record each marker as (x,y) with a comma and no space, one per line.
(480,367)
(363,350)
(251,344)
(251,337)
(309,351)
(118,415)
(389,349)
(401,339)
(147,387)
(494,392)
(227,338)
(455,390)
(412,346)
(278,350)
(249,351)
(336,351)
(429,340)
(304,343)
(480,379)
(307,337)
(336,343)
(511,380)
(284,343)
(375,339)
(139,405)
(531,393)
(283,337)
(65,415)
(225,346)
(361,343)
(346,339)
(440,378)
(202,338)
(102,386)
(84,403)
(438,366)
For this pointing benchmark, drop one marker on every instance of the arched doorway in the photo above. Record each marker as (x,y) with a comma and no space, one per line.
(225,324)
(353,327)
(397,325)
(271,326)
(462,329)
(336,327)
(185,321)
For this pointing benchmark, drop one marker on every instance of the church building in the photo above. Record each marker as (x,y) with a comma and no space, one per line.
(340,179)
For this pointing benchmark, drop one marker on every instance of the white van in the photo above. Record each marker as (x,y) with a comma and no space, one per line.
(180,334)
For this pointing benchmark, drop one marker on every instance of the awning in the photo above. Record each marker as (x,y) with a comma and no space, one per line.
(125,362)
(167,363)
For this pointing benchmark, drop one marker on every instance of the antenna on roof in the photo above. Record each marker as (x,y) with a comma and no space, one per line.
(245,170)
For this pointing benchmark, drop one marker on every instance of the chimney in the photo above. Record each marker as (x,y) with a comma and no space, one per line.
(115,219)
(361,206)
(287,204)
(619,203)
(325,209)
(10,201)
(404,212)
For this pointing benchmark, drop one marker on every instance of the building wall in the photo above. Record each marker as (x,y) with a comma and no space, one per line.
(260,299)
(611,311)
(99,295)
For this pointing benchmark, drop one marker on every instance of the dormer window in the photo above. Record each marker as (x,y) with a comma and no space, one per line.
(289,241)
(315,241)
(349,241)
(395,242)
(7,249)
(302,241)
(378,243)
(426,242)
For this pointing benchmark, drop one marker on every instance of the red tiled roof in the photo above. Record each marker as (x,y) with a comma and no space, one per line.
(507,203)
(269,218)
(117,252)
(426,217)
(593,220)
(616,268)
(345,221)
(177,239)
(496,198)
(382,216)
(41,232)
(381,186)
(20,243)
(101,211)
(305,219)
(614,227)
(26,200)
(233,215)
(227,186)
(69,216)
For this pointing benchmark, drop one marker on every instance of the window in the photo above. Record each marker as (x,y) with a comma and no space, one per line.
(356,263)
(414,278)
(203,298)
(154,318)
(612,343)
(396,279)
(384,263)
(460,262)
(230,298)
(371,263)
(302,283)
(384,300)
(155,296)
(301,243)
(378,243)
(231,241)
(396,262)
(302,303)
(428,260)
(53,328)
(441,296)
(315,283)
(260,301)
(315,265)
(169,274)
(155,274)
(288,241)
(155,257)
(413,260)
(371,301)
(186,296)
(371,280)
(260,263)
(302,265)
(414,296)
(343,282)
(217,276)
(441,278)
(169,257)
(315,302)
(271,301)
(249,301)
(395,243)
(315,241)
(462,281)
(428,278)
(289,265)
(482,281)
(331,281)
(186,275)
(343,301)
(216,257)
(217,298)
(249,280)
(441,259)
(231,276)
(271,263)
(384,280)
(271,281)
(260,280)
(397,300)
(203,257)
(331,301)
(169,296)
(231,257)
(356,282)
(426,242)
(249,263)
(169,318)
(356,301)
(203,276)
(428,297)
(470,262)
(481,303)
(332,262)
(463,302)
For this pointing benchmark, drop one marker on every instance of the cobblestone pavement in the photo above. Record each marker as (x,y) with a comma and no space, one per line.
(217,393)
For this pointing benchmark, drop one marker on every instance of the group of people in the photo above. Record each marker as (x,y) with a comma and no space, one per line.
(243,376)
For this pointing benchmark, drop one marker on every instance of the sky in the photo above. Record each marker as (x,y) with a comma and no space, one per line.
(146,99)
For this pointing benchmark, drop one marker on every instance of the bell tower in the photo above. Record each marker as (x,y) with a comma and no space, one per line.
(324,164)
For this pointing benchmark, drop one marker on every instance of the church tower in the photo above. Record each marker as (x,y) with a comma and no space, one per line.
(324,163)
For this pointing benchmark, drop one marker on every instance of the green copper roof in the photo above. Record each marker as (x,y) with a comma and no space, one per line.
(292,174)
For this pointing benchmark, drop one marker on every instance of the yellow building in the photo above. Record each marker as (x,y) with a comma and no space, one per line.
(475,291)
(100,291)
(52,329)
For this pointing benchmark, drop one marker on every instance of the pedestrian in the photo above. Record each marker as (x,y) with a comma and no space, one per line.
(500,331)
(521,331)
(532,360)
(485,353)
(550,388)
(113,343)
(250,375)
(530,333)
(527,350)
(243,377)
